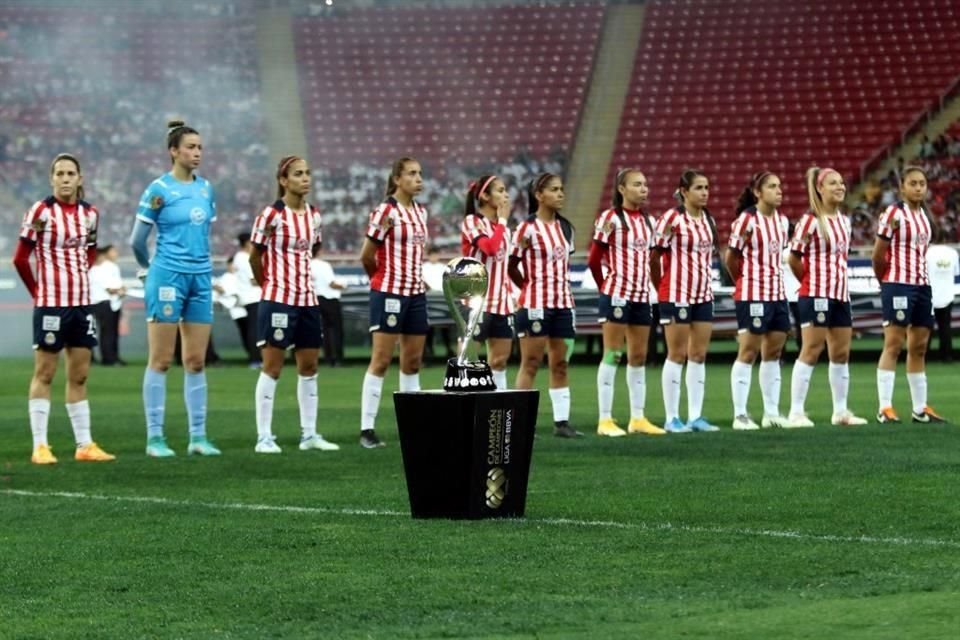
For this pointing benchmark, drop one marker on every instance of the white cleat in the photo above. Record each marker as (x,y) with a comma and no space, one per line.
(316,441)
(267,444)
(744,423)
(774,421)
(798,421)
(847,419)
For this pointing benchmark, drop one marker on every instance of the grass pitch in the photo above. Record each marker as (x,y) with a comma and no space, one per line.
(824,532)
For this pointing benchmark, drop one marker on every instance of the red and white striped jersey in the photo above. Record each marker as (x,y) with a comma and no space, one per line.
(909,234)
(61,233)
(287,239)
(401,234)
(545,254)
(760,240)
(824,259)
(686,263)
(472,229)
(628,257)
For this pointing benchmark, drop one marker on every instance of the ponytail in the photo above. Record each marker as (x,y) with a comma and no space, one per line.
(748,197)
(814,178)
(618,182)
(481,185)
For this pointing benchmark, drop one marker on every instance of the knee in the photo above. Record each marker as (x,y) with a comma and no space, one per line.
(699,356)
(308,369)
(637,359)
(747,354)
(192,364)
(161,365)
(892,349)
(498,363)
(840,356)
(559,368)
(78,379)
(530,364)
(44,376)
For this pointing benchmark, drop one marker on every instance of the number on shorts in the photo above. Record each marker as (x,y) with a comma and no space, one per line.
(91,325)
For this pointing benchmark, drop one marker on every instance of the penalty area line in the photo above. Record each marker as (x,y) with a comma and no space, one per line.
(662,527)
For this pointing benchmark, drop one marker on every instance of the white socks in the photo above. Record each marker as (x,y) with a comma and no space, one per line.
(499,378)
(799,386)
(770,387)
(839,376)
(637,385)
(79,413)
(740,378)
(39,418)
(670,383)
(307,399)
(370,400)
(560,399)
(266,389)
(918,390)
(885,380)
(606,376)
(409,381)
(696,382)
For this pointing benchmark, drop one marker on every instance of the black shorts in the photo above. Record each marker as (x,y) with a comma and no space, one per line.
(546,323)
(406,315)
(494,325)
(763,317)
(824,312)
(672,312)
(622,311)
(285,326)
(906,304)
(57,327)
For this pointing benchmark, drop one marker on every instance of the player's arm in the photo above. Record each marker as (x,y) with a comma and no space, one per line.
(138,242)
(879,257)
(795,262)
(256,262)
(21,262)
(368,256)
(656,273)
(733,261)
(513,270)
(598,250)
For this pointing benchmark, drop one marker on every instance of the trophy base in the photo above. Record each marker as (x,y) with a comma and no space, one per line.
(470,376)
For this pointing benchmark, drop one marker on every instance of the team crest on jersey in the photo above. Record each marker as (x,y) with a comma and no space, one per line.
(607,227)
(197,216)
(156,202)
(386,223)
(301,245)
(39,224)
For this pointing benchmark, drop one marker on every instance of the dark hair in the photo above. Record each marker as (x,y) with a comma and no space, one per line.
(285,163)
(747,197)
(481,185)
(176,129)
(537,185)
(686,181)
(72,158)
(935,230)
(243,238)
(395,172)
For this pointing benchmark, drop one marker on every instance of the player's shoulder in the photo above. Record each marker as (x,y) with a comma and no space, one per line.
(608,216)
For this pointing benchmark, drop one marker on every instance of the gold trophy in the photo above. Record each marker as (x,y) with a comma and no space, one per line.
(466,279)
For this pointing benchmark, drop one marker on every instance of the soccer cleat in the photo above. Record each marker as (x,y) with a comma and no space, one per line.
(927,416)
(157,448)
(798,421)
(43,455)
(93,453)
(645,427)
(201,447)
(744,423)
(316,441)
(773,421)
(847,419)
(701,424)
(676,426)
(608,427)
(267,444)
(888,416)
(562,429)
(369,440)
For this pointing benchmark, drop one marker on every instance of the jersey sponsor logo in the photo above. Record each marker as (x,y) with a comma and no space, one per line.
(301,245)
(72,243)
(197,216)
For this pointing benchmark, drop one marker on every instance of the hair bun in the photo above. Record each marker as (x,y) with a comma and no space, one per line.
(175,124)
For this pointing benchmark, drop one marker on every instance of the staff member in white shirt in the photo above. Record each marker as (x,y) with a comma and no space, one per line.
(943,266)
(106,293)
(328,290)
(248,292)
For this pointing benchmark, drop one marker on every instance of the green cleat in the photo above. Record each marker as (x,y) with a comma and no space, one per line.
(201,446)
(157,448)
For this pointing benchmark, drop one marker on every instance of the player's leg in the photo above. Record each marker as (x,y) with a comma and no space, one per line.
(78,407)
(696,374)
(44,369)
(678,338)
(614,333)
(381,353)
(557,348)
(894,337)
(271,358)
(194,337)
(838,349)
(308,337)
(498,353)
(532,350)
(163,295)
(771,351)
(638,340)
(741,377)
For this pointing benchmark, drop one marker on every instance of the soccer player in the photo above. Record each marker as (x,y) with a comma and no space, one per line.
(818,258)
(61,231)
(900,262)
(681,269)
(283,238)
(484,236)
(178,290)
(754,260)
(622,238)
(392,255)
(542,245)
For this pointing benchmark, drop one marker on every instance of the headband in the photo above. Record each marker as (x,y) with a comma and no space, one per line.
(485,185)
(286,165)
(760,177)
(823,175)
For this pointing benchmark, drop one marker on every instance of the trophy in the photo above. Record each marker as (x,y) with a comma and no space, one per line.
(466,278)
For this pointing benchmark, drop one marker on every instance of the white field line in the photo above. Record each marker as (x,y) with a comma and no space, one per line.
(665,527)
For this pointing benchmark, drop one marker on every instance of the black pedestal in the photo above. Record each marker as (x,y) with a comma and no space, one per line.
(467,455)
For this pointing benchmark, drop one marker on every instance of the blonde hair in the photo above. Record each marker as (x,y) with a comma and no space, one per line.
(815,177)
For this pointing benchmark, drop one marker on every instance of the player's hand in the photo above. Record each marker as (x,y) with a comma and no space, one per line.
(503,213)
(142,275)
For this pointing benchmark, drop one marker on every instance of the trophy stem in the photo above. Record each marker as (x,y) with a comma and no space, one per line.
(472,323)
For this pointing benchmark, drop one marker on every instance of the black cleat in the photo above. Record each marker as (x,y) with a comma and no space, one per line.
(369,440)
(563,429)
